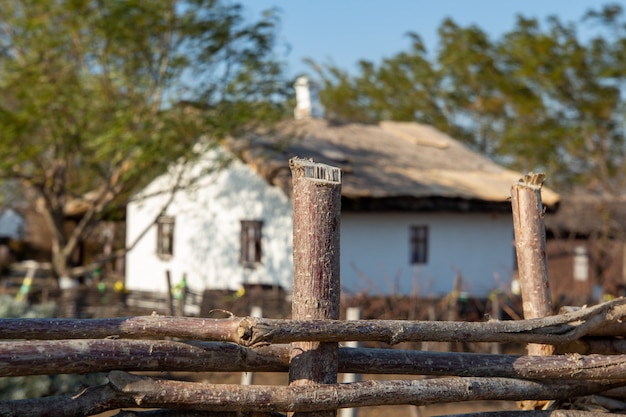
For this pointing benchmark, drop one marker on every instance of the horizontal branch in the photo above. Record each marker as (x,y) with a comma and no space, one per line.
(81,356)
(534,413)
(126,390)
(251,331)
(192,413)
(548,330)
(84,356)
(142,327)
(90,401)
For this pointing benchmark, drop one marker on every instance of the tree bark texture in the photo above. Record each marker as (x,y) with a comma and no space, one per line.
(85,356)
(530,242)
(532,262)
(316,286)
(126,390)
(536,413)
(253,331)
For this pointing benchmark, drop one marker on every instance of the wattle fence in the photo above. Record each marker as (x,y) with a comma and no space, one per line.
(576,357)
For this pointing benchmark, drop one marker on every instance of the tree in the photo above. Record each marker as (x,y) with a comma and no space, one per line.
(98,96)
(537,98)
(572,123)
(404,87)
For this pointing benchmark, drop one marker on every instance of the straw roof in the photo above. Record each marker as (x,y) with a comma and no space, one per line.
(389,166)
(584,214)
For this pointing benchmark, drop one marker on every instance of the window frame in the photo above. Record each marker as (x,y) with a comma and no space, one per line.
(166,226)
(251,243)
(419,242)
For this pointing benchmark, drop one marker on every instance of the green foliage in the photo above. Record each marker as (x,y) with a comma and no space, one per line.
(17,388)
(537,98)
(97,97)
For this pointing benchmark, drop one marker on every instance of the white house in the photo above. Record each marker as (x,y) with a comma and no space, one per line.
(228,229)
(418,209)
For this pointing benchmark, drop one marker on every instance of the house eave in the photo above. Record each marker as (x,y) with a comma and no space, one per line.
(424,205)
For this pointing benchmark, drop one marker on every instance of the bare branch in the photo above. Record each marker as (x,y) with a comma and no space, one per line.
(20,358)
(534,413)
(126,390)
(252,331)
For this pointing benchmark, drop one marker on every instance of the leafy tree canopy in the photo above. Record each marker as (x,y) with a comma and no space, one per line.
(537,98)
(96,96)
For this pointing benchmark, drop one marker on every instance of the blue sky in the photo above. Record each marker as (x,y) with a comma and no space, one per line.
(342,32)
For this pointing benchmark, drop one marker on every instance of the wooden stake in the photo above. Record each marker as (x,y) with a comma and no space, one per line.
(316,286)
(532,262)
(530,241)
(169,299)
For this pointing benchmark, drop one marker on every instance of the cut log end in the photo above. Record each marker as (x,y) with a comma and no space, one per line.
(533,180)
(315,171)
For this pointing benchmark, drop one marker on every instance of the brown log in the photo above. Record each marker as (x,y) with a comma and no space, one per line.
(562,367)
(252,331)
(553,329)
(535,413)
(316,286)
(79,356)
(325,397)
(532,261)
(88,402)
(192,413)
(126,390)
(141,327)
(84,356)
(530,242)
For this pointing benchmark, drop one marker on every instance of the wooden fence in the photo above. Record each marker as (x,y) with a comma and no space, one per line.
(578,356)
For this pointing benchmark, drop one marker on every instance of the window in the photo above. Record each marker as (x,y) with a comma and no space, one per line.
(250,242)
(419,245)
(165,236)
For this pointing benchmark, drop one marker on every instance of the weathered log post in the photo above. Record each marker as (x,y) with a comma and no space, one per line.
(530,242)
(316,286)
(532,262)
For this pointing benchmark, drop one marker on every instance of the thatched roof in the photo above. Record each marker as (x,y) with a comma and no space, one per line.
(389,166)
(584,215)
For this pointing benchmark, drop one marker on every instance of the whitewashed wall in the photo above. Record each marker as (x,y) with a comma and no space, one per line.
(375,252)
(207,233)
(375,247)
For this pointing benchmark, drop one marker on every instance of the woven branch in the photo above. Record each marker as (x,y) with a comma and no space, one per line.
(187,413)
(84,356)
(126,390)
(534,413)
(251,331)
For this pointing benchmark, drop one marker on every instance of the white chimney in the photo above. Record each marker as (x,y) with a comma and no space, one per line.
(307,99)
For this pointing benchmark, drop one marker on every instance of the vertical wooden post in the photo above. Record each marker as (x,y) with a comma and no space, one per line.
(532,263)
(530,242)
(316,286)
(496,314)
(169,298)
